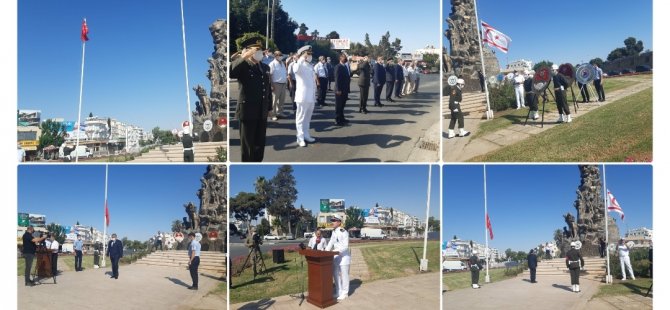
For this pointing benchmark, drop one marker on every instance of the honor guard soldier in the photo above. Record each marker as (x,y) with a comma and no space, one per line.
(305,97)
(531,96)
(187,142)
(253,103)
(339,241)
(475,266)
(574,262)
(560,84)
(455,107)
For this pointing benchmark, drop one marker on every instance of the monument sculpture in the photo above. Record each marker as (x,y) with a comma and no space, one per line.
(213,107)
(464,59)
(589,224)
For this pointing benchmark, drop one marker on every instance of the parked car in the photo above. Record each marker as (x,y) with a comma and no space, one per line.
(290,237)
(271,237)
(627,71)
(308,234)
(643,68)
(613,73)
(450,265)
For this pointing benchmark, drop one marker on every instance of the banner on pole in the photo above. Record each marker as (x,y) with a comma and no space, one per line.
(488,226)
(84,31)
(613,205)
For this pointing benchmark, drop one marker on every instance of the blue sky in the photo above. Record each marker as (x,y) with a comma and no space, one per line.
(402,187)
(587,29)
(134,69)
(416,25)
(142,199)
(526,202)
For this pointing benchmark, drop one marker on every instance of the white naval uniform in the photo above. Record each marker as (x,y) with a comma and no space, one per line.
(339,241)
(518,91)
(624,261)
(320,247)
(305,97)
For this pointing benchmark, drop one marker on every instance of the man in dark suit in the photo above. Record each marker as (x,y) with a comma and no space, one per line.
(364,84)
(400,78)
(331,72)
(253,103)
(115,252)
(342,80)
(378,80)
(390,79)
(532,265)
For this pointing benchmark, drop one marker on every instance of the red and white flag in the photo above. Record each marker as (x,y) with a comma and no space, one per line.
(613,205)
(488,226)
(106,214)
(495,38)
(84,31)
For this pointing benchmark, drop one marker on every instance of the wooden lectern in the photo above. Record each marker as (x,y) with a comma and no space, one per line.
(320,277)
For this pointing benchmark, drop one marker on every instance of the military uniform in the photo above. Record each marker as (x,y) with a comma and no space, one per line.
(560,84)
(339,241)
(455,107)
(364,85)
(305,96)
(187,143)
(531,96)
(574,262)
(253,106)
(391,80)
(473,263)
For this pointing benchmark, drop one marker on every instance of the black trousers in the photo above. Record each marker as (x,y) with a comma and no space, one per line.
(54,264)
(532,274)
(252,139)
(291,92)
(322,90)
(562,102)
(378,93)
(456,116)
(584,92)
(475,276)
(574,276)
(115,266)
(416,87)
(599,89)
(389,89)
(188,156)
(29,266)
(340,101)
(193,268)
(363,103)
(531,101)
(602,251)
(398,88)
(77,260)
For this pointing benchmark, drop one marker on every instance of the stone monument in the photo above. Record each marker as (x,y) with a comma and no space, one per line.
(589,224)
(213,107)
(464,58)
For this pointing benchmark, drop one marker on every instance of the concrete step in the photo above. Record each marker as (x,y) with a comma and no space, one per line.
(204,151)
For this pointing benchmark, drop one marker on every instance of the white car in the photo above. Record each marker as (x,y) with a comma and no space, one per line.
(271,237)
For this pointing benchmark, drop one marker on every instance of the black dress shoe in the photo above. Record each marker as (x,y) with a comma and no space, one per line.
(339,123)
(365,111)
(30,283)
(195,288)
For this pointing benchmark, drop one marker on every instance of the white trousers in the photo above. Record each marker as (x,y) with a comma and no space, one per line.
(518,91)
(303,118)
(341,276)
(624,261)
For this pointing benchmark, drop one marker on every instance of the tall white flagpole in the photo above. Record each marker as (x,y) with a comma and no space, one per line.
(424,261)
(81,91)
(104,222)
(183,37)
(489,113)
(608,278)
(487,279)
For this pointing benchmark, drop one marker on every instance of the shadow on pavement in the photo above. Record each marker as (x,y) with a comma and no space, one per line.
(261,304)
(563,287)
(369,160)
(354,285)
(177,281)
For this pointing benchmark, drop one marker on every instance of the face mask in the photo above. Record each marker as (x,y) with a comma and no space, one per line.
(258,55)
(308,58)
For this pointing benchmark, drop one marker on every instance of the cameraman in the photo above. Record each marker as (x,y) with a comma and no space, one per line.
(29,248)
(253,239)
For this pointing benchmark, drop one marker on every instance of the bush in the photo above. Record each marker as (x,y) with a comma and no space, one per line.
(221,155)
(513,271)
(502,97)
(639,260)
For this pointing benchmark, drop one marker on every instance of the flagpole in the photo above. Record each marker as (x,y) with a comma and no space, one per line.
(489,113)
(487,279)
(608,278)
(104,222)
(183,37)
(424,261)
(81,90)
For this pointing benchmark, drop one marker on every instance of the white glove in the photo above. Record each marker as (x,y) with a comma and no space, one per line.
(455,110)
(562,88)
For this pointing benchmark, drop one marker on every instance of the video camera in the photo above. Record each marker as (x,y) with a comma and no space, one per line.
(254,241)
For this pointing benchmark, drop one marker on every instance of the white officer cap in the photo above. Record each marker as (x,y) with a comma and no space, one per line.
(554,67)
(305,49)
(474,251)
(336,217)
(573,244)
(460,81)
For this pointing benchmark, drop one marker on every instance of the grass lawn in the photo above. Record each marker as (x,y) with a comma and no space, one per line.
(399,259)
(638,286)
(220,289)
(508,117)
(280,279)
(620,131)
(460,280)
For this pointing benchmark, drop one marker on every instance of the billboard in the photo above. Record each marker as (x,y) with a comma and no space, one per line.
(331,205)
(339,44)
(370,216)
(23,220)
(29,117)
(37,220)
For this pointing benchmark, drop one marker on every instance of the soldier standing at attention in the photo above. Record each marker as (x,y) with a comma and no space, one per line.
(253,103)
(187,143)
(531,96)
(339,241)
(456,113)
(574,262)
(560,84)
(475,266)
(364,71)
(304,94)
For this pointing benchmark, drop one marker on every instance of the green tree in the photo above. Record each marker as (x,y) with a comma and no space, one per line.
(597,61)
(283,194)
(53,133)
(315,33)
(433,224)
(384,47)
(333,35)
(176,225)
(303,29)
(367,42)
(509,254)
(544,63)
(354,218)
(632,47)
(432,61)
(396,46)
(246,207)
(57,231)
(617,53)
(276,225)
(251,16)
(263,228)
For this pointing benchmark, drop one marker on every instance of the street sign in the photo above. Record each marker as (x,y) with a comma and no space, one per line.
(339,44)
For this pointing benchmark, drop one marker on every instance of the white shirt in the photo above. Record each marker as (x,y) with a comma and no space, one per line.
(278,72)
(305,88)
(321,70)
(405,71)
(518,80)
(320,247)
(623,250)
(339,241)
(54,246)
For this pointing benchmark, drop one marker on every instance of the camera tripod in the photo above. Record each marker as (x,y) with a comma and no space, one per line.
(301,296)
(258,263)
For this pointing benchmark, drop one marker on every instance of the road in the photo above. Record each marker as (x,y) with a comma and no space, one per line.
(401,131)
(238,247)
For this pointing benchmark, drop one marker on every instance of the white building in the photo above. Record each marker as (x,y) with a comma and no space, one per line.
(519,65)
(462,249)
(429,49)
(642,237)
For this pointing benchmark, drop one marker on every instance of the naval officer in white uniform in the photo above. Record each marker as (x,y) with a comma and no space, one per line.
(305,94)
(339,241)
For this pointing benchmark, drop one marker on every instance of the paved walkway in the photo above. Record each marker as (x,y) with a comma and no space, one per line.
(415,292)
(463,149)
(358,268)
(138,287)
(551,292)
(623,302)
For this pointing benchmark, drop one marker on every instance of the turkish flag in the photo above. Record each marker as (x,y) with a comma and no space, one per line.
(106,214)
(488,226)
(84,31)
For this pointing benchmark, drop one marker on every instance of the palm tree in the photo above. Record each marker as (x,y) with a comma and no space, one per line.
(176,226)
(276,224)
